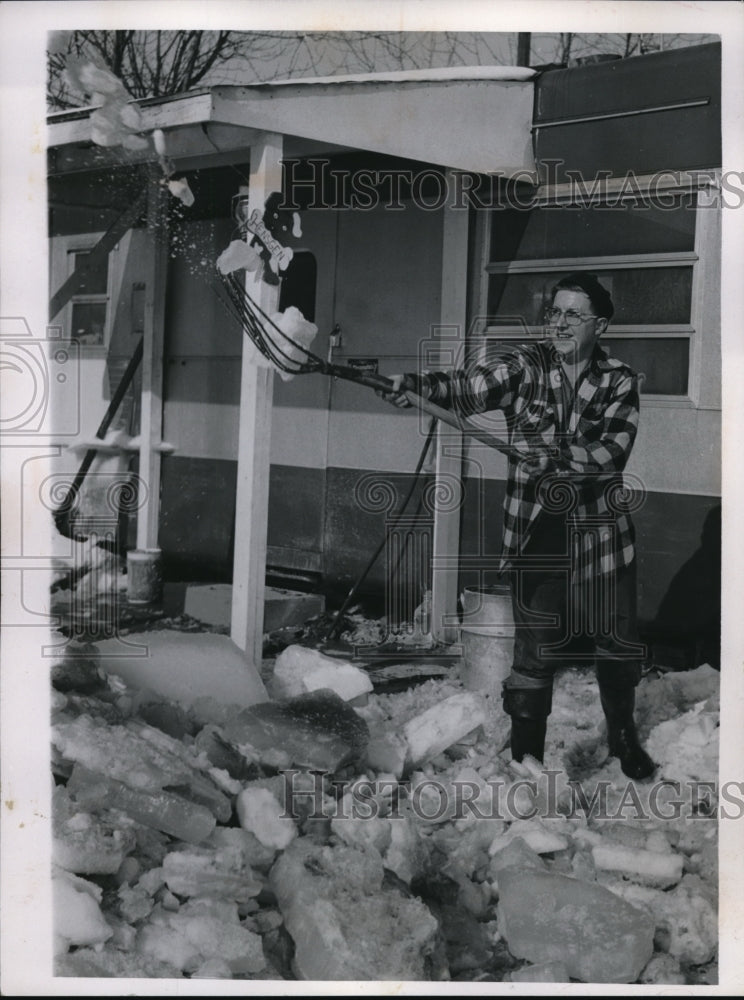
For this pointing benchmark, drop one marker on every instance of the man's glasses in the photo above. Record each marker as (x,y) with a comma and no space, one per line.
(572,317)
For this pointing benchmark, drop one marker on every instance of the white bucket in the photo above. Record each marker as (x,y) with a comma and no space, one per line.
(487,636)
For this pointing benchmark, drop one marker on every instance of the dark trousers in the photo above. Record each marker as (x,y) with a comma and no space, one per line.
(558,624)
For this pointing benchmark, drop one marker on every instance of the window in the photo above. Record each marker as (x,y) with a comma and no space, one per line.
(644,252)
(87,316)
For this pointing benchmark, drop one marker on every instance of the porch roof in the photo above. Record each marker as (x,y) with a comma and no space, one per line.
(468,118)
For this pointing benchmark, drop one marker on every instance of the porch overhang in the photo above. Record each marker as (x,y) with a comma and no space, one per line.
(475,119)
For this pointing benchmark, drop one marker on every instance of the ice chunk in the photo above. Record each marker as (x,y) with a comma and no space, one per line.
(649,867)
(535,834)
(77,916)
(254,853)
(686,747)
(162,810)
(179,188)
(119,753)
(689,917)
(108,962)
(318,731)
(546,972)
(406,853)
(386,751)
(202,871)
(516,853)
(298,670)
(261,814)
(546,917)
(82,843)
(199,931)
(134,903)
(364,830)
(345,926)
(663,970)
(442,725)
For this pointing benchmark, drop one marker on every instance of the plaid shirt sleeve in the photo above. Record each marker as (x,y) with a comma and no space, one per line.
(476,390)
(603,445)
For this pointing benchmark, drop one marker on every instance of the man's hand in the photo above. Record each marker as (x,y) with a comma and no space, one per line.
(396,394)
(537,460)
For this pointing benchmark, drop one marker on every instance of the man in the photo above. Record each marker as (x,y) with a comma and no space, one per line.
(568,540)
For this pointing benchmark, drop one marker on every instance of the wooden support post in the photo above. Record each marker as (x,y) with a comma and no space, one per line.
(151,419)
(446,549)
(254,439)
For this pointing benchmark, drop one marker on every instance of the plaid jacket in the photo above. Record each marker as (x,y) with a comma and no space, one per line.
(589,438)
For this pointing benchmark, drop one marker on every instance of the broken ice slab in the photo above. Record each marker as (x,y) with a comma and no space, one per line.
(599,936)
(442,725)
(200,930)
(344,924)
(162,810)
(299,670)
(118,752)
(108,962)
(140,756)
(536,834)
(255,855)
(317,730)
(187,666)
(661,869)
(210,871)
(86,844)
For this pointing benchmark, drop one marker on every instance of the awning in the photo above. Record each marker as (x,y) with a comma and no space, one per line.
(469,118)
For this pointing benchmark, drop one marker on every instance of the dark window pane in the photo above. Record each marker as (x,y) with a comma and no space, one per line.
(549,233)
(664,361)
(298,285)
(641,296)
(88,322)
(96,280)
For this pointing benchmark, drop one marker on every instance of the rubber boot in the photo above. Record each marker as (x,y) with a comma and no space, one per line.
(529,709)
(617,695)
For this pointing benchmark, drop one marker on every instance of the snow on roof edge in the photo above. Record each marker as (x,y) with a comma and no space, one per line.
(440,74)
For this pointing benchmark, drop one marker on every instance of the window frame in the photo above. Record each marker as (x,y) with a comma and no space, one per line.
(66,248)
(696,259)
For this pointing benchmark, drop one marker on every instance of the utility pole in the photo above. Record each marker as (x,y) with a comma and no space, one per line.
(523,48)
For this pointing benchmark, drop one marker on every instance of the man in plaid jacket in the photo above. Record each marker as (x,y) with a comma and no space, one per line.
(568,541)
